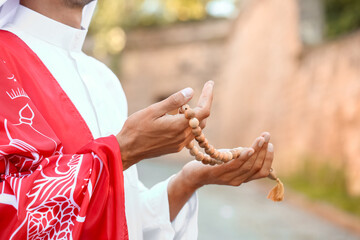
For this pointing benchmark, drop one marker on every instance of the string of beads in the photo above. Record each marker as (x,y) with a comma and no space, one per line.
(213,156)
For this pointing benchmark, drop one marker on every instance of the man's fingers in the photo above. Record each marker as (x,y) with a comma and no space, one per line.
(204,104)
(266,135)
(265,170)
(260,147)
(254,159)
(206,95)
(260,158)
(178,122)
(258,144)
(233,166)
(173,102)
(203,123)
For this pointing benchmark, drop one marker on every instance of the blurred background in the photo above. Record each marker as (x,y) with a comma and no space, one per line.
(290,67)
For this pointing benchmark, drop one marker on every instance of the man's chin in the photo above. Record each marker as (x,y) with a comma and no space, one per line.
(77,3)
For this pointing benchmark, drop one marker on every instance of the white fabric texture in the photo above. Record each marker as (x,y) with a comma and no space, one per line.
(97,94)
(8,9)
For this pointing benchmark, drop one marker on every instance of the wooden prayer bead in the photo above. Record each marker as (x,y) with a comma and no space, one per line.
(194,123)
(238,152)
(225,158)
(200,138)
(196,131)
(228,156)
(184,108)
(210,150)
(218,162)
(221,156)
(212,162)
(194,151)
(216,154)
(206,160)
(204,144)
(189,113)
(190,145)
(233,152)
(200,156)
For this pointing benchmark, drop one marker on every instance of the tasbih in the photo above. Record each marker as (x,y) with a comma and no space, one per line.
(213,156)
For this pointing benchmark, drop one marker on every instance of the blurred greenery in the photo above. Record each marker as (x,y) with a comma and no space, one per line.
(321,181)
(113,18)
(342,16)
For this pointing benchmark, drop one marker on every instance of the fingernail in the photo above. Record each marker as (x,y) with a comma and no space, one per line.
(251,152)
(211,82)
(270,148)
(261,142)
(267,137)
(187,92)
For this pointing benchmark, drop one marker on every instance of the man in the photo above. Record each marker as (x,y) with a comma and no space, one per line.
(61,168)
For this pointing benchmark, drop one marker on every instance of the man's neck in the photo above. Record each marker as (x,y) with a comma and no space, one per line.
(56,10)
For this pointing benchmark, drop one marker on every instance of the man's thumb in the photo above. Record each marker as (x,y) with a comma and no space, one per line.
(174,101)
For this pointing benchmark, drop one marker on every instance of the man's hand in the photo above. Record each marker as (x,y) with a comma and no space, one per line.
(151,132)
(253,163)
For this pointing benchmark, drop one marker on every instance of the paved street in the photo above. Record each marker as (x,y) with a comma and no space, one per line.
(228,213)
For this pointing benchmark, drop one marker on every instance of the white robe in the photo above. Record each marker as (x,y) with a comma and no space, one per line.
(97,94)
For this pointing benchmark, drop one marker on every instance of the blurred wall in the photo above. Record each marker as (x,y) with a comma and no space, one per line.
(326,105)
(160,61)
(308,99)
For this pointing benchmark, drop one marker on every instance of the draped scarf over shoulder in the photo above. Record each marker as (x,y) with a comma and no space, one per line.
(56,181)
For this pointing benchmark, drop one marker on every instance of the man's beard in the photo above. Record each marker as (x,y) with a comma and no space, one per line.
(77,3)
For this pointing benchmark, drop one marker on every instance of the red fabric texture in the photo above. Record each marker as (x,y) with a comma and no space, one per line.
(57,182)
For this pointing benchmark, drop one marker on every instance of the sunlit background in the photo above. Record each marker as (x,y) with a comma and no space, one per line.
(290,67)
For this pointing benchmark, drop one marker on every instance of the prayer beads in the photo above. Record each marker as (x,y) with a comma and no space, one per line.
(212,156)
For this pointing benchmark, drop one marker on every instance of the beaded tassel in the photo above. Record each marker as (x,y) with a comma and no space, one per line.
(212,156)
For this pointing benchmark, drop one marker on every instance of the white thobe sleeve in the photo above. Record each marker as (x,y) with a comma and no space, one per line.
(156,217)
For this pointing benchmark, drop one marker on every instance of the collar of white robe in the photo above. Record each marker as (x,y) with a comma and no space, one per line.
(48,30)
(8,9)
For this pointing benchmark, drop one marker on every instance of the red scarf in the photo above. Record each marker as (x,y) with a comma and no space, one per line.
(57,182)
